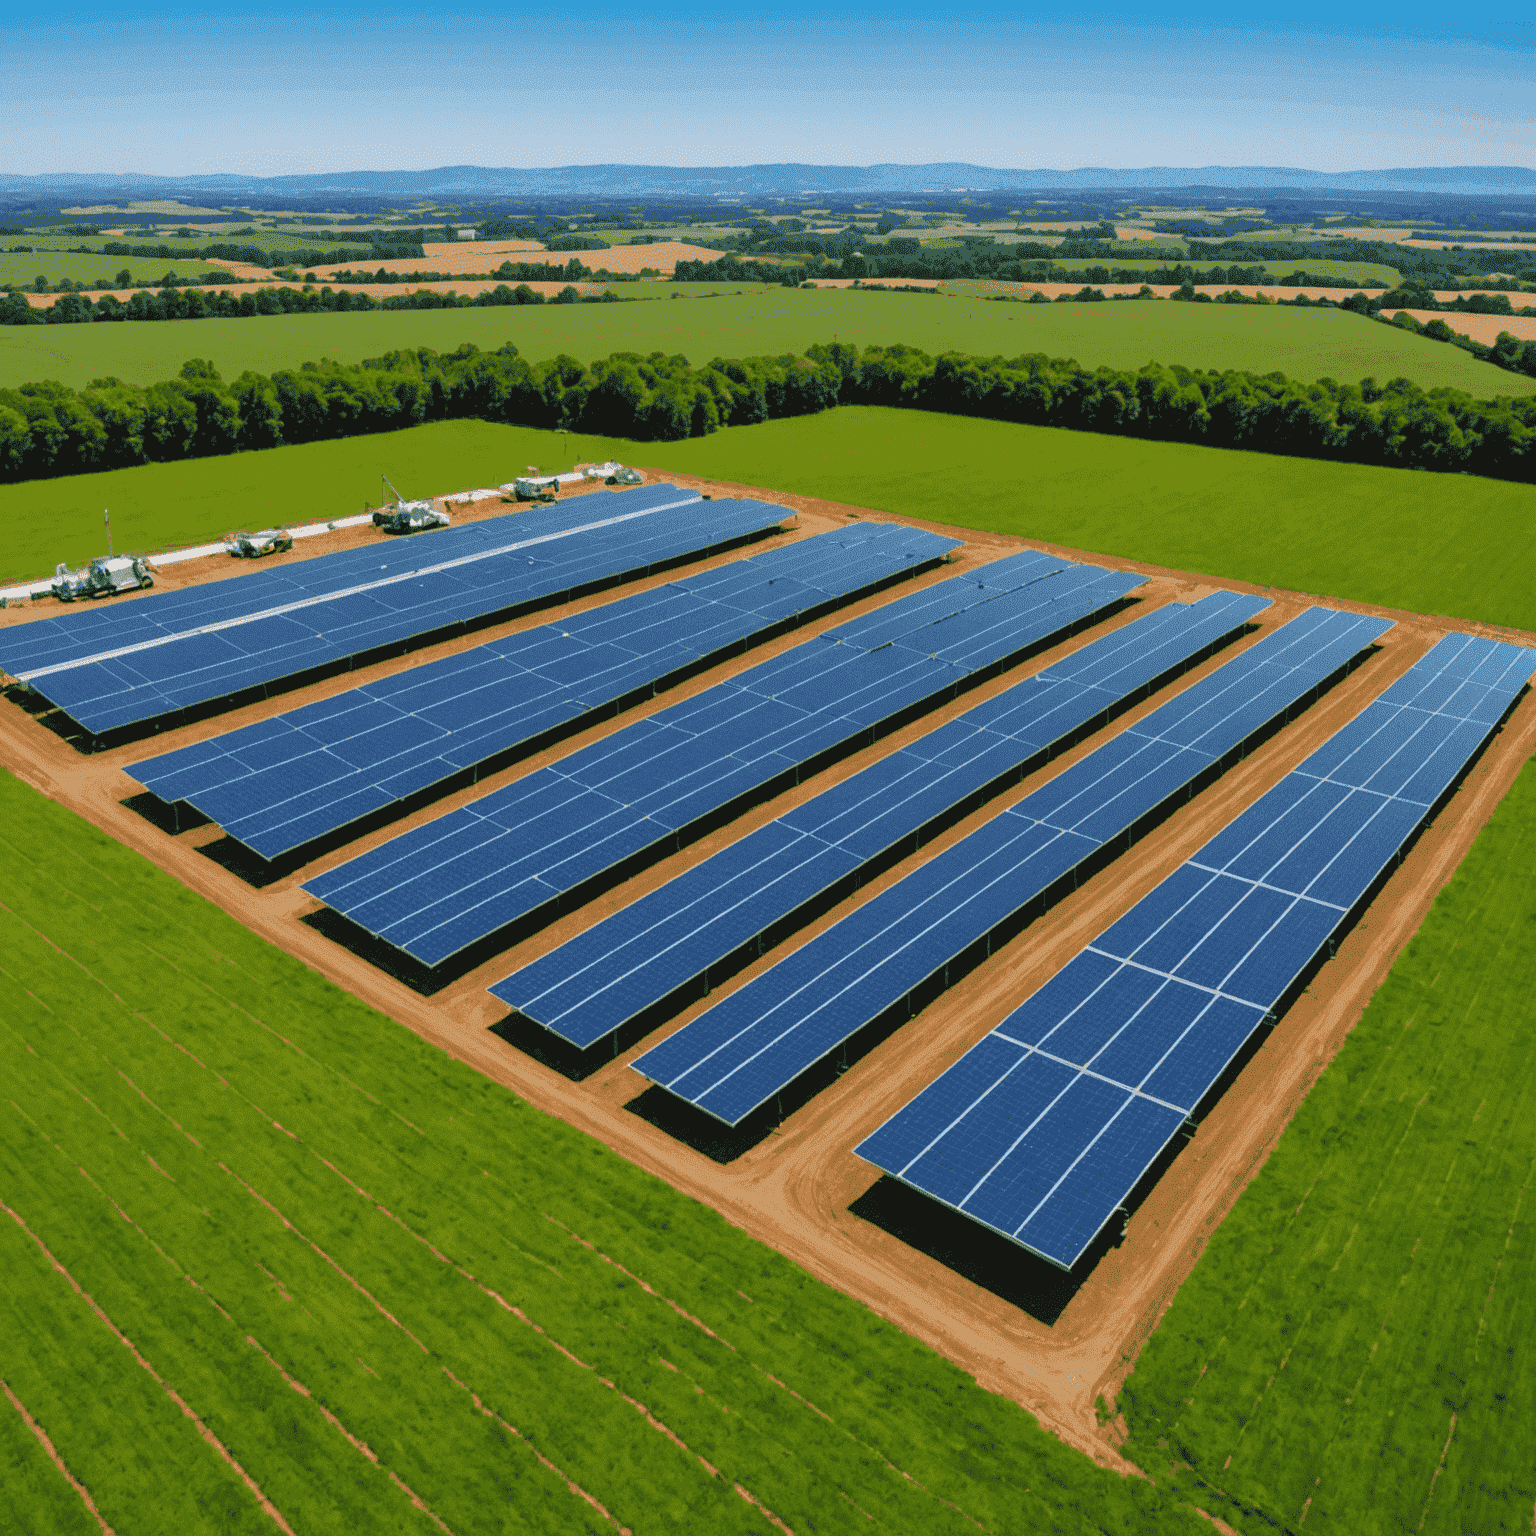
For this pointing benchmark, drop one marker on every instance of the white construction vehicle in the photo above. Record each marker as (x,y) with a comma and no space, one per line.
(536,487)
(101,577)
(251,546)
(407,516)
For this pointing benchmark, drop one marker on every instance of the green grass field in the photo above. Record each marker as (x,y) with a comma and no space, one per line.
(1305,344)
(21,268)
(1430,543)
(1354,1347)
(374,1276)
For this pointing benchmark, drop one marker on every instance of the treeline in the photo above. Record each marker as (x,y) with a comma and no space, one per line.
(260,256)
(1026,262)
(48,429)
(850,253)
(201,304)
(572,271)
(1438,268)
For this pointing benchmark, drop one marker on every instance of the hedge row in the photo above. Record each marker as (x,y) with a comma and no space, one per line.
(201,304)
(48,429)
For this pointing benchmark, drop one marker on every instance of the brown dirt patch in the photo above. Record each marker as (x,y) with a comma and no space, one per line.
(793,1190)
(1483,328)
(1475,245)
(486,255)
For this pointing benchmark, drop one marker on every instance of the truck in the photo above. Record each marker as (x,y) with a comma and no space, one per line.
(537,487)
(402,516)
(101,577)
(251,546)
(410,517)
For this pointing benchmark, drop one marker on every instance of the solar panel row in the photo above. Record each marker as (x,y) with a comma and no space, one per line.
(665,944)
(754,1043)
(632,797)
(196,654)
(1043,1129)
(282,783)
(89,631)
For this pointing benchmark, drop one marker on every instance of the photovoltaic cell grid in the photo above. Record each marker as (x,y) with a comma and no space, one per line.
(632,961)
(754,1043)
(1044,1128)
(464,877)
(89,631)
(283,782)
(175,650)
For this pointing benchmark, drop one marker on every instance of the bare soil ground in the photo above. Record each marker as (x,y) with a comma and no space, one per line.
(487,255)
(794,1189)
(1483,328)
(1475,245)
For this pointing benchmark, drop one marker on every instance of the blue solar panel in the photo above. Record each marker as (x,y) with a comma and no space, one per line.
(132,663)
(655,779)
(669,939)
(1044,1128)
(787,1018)
(281,783)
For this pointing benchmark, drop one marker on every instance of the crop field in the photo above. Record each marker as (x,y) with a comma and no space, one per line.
(1354,1348)
(23,267)
(167,237)
(1304,344)
(1434,544)
(336,1280)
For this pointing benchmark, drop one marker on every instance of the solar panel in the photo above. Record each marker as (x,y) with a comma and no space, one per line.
(1043,1129)
(665,945)
(753,1044)
(139,663)
(631,798)
(284,782)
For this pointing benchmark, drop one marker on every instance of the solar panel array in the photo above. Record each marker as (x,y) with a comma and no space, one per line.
(755,1042)
(1043,1129)
(128,664)
(631,797)
(281,783)
(668,940)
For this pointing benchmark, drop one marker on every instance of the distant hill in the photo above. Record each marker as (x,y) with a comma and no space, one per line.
(468,181)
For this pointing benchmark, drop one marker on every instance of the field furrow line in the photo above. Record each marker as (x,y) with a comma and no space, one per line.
(52,1453)
(544,1461)
(267,1506)
(351,1280)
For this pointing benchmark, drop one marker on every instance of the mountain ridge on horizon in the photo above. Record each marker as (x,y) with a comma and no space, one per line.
(793,178)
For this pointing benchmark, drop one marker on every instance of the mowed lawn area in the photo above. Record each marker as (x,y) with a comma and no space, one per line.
(1354,1348)
(268,1255)
(1303,344)
(1447,544)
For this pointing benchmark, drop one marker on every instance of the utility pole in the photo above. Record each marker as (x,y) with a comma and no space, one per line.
(106,517)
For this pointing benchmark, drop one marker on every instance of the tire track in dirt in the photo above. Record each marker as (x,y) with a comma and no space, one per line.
(267,1506)
(52,1453)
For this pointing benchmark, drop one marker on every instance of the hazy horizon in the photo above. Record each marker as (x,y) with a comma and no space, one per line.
(265,90)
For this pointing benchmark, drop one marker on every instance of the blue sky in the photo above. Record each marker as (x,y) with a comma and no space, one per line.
(267,89)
